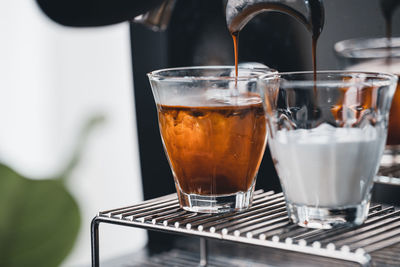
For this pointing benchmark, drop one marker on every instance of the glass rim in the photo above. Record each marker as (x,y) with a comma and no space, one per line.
(158,74)
(385,79)
(344,48)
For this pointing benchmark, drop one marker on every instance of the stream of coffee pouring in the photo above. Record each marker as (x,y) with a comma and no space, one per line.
(388,7)
(309,12)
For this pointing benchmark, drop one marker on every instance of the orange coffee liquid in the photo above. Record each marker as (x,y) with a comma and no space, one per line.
(394,119)
(213,150)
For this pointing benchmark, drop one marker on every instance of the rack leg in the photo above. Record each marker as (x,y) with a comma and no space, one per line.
(203,252)
(94,231)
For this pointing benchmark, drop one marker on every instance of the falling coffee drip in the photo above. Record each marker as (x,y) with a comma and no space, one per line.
(235,37)
(388,7)
(314,21)
(317,19)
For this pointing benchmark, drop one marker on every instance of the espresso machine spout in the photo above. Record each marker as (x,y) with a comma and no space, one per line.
(308,12)
(158,18)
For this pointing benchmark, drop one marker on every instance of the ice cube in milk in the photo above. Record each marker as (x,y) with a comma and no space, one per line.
(327,166)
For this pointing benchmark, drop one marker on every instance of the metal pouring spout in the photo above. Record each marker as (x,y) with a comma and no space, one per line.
(308,12)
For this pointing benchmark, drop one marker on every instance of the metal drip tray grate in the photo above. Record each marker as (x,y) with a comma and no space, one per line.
(265,224)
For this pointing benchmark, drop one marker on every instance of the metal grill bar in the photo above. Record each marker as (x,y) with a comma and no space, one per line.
(386,243)
(366,231)
(148,210)
(143,204)
(335,232)
(266,224)
(330,235)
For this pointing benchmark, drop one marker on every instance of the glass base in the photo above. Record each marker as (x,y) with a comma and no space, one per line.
(391,156)
(327,218)
(216,204)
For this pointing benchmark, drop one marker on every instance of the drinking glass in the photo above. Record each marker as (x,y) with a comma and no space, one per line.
(214,133)
(326,138)
(379,55)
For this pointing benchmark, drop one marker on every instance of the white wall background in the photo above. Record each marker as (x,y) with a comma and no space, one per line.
(52,79)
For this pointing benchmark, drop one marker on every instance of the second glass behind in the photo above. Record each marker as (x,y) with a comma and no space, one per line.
(378,55)
(214,133)
(326,138)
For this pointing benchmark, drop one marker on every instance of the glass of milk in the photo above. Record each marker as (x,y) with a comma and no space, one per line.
(326,135)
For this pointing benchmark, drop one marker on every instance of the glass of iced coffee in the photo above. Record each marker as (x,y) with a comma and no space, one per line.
(213,128)
(326,137)
(379,55)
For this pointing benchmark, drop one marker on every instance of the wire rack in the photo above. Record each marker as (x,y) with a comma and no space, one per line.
(389,175)
(265,224)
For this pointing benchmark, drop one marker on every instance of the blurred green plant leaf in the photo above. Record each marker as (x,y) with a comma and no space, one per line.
(39,221)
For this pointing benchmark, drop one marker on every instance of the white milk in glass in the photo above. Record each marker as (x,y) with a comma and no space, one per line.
(327,166)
